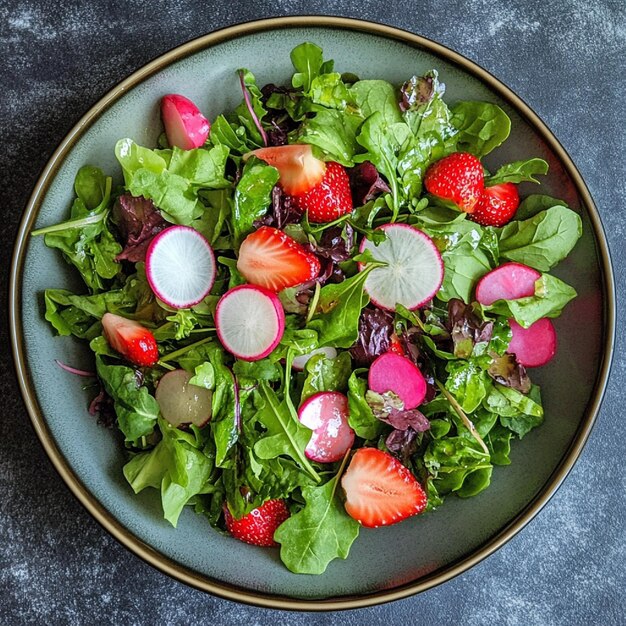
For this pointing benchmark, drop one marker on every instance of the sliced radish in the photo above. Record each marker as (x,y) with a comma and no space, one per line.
(185,126)
(181,402)
(326,414)
(533,346)
(180,266)
(507,282)
(250,321)
(299,363)
(392,372)
(414,270)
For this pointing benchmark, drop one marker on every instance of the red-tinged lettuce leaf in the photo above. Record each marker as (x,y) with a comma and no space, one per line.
(138,222)
(282,212)
(508,372)
(418,91)
(375,329)
(366,183)
(466,327)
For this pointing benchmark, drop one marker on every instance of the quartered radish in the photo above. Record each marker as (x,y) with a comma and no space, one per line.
(392,372)
(414,270)
(181,402)
(510,281)
(250,321)
(533,346)
(180,266)
(185,126)
(326,414)
(299,363)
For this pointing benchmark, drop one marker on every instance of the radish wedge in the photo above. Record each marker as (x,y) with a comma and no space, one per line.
(392,372)
(180,266)
(326,414)
(182,403)
(414,270)
(185,126)
(299,363)
(533,346)
(250,322)
(510,281)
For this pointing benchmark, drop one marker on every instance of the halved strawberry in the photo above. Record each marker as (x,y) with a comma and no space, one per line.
(130,339)
(299,170)
(380,490)
(458,178)
(271,259)
(330,198)
(258,526)
(497,205)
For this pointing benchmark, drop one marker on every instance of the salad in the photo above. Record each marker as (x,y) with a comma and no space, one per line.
(317,311)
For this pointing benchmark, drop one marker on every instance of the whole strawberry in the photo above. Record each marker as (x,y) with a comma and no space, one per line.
(130,339)
(458,178)
(330,198)
(258,526)
(497,205)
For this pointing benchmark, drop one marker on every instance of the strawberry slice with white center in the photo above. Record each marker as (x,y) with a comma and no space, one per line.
(130,339)
(298,169)
(380,491)
(271,259)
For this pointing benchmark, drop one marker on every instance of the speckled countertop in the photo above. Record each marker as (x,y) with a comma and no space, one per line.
(566,59)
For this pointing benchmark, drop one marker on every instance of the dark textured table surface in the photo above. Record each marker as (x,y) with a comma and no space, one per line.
(566,59)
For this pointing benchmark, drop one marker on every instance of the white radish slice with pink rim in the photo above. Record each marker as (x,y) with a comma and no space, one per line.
(414,270)
(510,281)
(250,321)
(326,414)
(181,402)
(533,346)
(185,126)
(180,266)
(392,372)
(299,363)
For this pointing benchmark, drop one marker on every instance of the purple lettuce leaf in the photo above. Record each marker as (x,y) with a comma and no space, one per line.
(466,328)
(138,222)
(365,183)
(283,211)
(375,330)
(508,372)
(419,91)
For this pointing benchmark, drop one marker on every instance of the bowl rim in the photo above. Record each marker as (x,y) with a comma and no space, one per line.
(146,552)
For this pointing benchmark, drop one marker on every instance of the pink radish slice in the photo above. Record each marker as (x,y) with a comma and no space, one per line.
(533,346)
(299,363)
(392,372)
(326,414)
(414,270)
(507,282)
(180,266)
(250,321)
(185,126)
(181,402)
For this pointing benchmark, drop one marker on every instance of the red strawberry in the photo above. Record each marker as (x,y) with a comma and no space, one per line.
(130,339)
(258,526)
(497,205)
(380,490)
(458,178)
(329,199)
(271,259)
(395,345)
(299,170)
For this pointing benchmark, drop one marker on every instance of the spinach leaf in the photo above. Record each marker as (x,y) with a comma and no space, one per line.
(533,204)
(551,296)
(135,408)
(482,126)
(373,96)
(361,419)
(518,172)
(330,91)
(498,441)
(468,382)
(543,240)
(320,532)
(518,412)
(324,374)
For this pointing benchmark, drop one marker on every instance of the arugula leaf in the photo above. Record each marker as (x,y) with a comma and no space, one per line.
(498,441)
(135,408)
(320,532)
(551,296)
(330,91)
(482,126)
(233,136)
(361,418)
(543,240)
(308,60)
(324,374)
(518,412)
(254,101)
(518,172)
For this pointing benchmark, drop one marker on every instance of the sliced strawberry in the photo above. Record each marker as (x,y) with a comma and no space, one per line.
(330,198)
(130,339)
(458,178)
(271,259)
(496,205)
(380,490)
(258,526)
(299,170)
(395,345)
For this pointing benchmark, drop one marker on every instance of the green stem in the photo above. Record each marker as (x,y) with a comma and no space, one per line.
(174,355)
(166,366)
(313,304)
(71,224)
